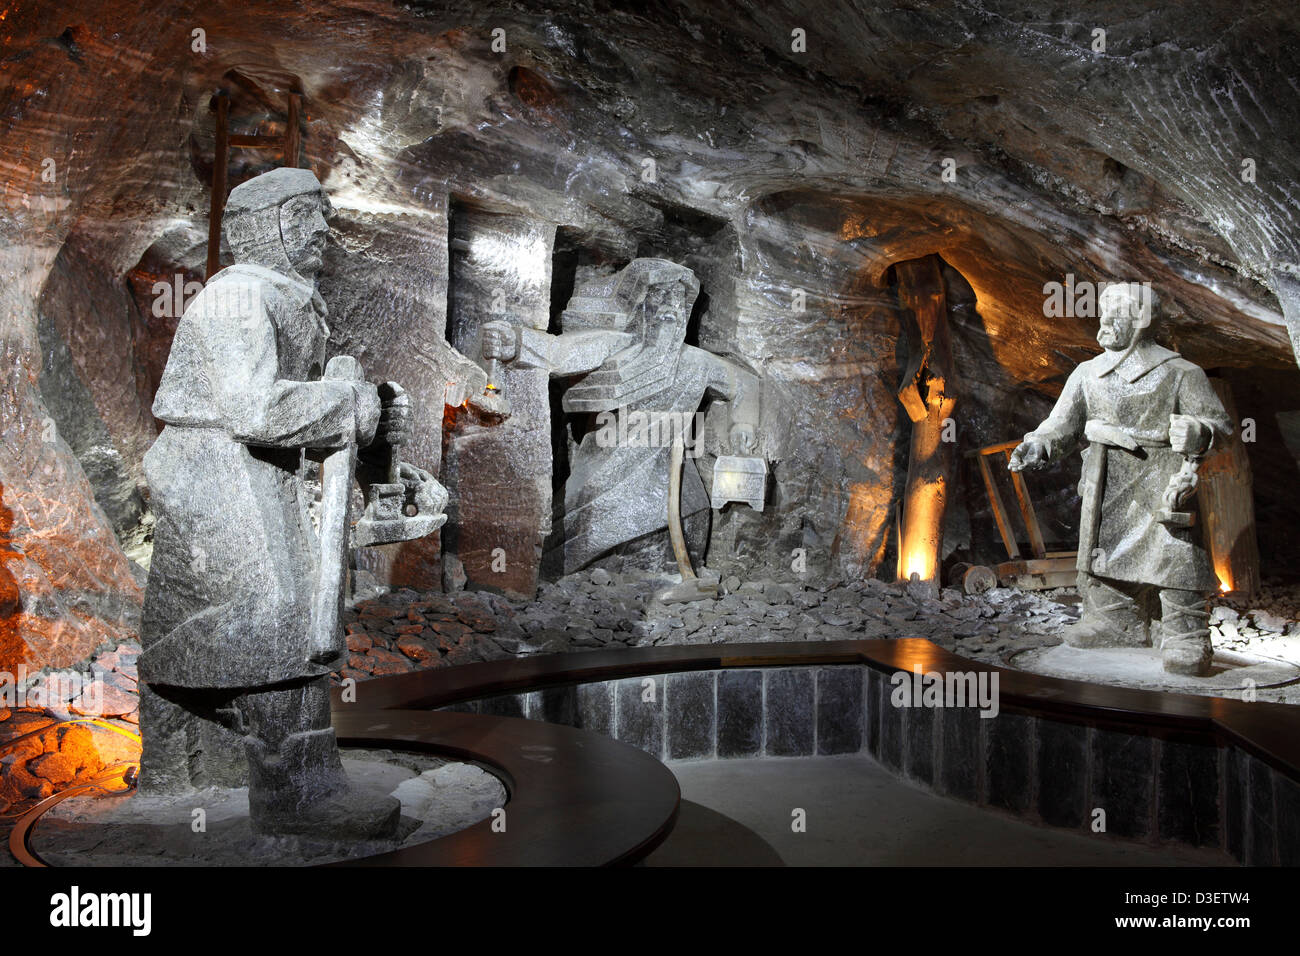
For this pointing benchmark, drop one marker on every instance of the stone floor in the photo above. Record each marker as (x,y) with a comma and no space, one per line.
(404,630)
(740,813)
(438,797)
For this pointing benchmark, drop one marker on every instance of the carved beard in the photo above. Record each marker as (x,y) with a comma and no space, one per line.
(1119,336)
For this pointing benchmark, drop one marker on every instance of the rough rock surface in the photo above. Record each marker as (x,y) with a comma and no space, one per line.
(783,166)
(65,727)
(405,631)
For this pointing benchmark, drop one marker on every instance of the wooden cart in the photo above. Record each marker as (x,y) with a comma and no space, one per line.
(1042,569)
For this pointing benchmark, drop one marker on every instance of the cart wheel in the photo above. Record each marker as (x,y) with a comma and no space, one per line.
(979,579)
(957,574)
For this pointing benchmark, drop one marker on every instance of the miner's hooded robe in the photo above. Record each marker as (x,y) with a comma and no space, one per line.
(233,568)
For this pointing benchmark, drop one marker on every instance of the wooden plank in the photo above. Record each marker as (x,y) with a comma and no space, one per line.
(291,132)
(1227,507)
(1038,573)
(999,510)
(1027,512)
(993,449)
(217,204)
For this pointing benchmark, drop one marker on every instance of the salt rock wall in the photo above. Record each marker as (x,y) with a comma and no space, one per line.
(777,148)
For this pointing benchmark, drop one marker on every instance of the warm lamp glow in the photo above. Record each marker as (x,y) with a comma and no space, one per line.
(1224,573)
(919,563)
(924,513)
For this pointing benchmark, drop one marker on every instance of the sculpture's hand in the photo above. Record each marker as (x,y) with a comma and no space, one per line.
(1028,456)
(742,439)
(499,340)
(430,496)
(394,415)
(1180,487)
(1187,436)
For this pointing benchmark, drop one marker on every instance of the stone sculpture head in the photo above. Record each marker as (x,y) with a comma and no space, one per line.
(1126,310)
(642,297)
(279,220)
(651,301)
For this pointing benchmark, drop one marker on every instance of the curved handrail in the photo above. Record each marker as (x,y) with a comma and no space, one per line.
(1268,731)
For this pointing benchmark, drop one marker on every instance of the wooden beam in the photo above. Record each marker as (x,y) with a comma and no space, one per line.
(1000,515)
(1227,507)
(1036,544)
(291,135)
(929,396)
(217,204)
(993,449)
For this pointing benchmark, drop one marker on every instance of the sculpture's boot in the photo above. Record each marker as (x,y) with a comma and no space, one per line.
(1185,646)
(1111,617)
(296,781)
(301,788)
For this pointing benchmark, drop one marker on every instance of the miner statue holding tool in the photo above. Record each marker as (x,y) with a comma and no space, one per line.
(1148,417)
(241,621)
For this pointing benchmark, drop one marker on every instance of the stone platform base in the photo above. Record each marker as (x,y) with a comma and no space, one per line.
(1140,667)
(438,797)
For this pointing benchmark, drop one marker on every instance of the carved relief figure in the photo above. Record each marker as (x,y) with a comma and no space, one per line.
(625,335)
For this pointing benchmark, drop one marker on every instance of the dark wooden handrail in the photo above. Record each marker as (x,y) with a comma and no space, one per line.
(575,798)
(1268,731)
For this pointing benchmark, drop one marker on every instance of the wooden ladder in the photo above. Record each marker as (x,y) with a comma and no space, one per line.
(288,145)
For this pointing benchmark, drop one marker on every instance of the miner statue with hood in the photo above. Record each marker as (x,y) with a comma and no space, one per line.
(241,621)
(1148,417)
(623,337)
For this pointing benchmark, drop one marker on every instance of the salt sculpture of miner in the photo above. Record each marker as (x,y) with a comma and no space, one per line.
(625,334)
(1148,416)
(241,618)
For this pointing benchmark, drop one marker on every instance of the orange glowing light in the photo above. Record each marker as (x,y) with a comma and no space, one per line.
(1223,572)
(923,518)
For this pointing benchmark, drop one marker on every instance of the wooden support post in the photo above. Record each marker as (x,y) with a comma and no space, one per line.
(1036,544)
(1227,508)
(217,205)
(927,393)
(291,135)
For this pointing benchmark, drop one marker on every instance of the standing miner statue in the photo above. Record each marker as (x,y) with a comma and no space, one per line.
(1148,416)
(241,618)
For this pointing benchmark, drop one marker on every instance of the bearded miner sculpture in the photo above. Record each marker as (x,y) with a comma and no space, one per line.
(624,334)
(1148,417)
